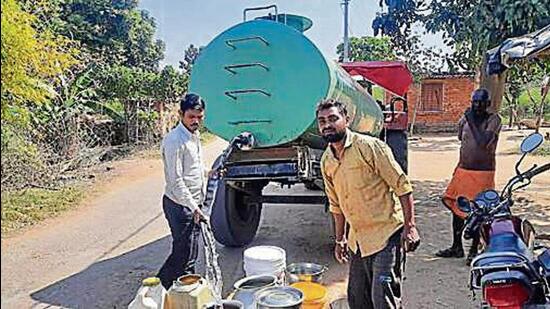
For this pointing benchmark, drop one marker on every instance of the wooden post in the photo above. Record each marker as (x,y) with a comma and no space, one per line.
(416,103)
(544,91)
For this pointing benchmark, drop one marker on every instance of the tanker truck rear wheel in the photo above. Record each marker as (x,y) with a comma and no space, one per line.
(235,221)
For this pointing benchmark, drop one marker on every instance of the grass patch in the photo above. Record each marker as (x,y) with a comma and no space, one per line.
(543,150)
(27,207)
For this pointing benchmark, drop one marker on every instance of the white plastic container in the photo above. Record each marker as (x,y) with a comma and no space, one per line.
(150,295)
(265,260)
(189,292)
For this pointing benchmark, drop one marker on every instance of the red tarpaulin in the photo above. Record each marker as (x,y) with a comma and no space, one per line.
(394,76)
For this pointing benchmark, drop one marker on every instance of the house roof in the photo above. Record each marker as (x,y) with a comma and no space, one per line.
(449,75)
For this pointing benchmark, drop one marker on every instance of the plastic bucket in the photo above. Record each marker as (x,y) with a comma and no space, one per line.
(315,295)
(262,260)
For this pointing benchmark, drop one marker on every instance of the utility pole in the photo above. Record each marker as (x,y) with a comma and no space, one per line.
(345,3)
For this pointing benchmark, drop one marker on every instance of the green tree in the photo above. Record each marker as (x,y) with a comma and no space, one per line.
(419,60)
(190,55)
(524,78)
(170,85)
(32,61)
(113,32)
(469,27)
(65,62)
(368,49)
(137,89)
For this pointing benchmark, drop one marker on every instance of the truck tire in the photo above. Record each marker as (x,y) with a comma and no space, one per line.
(234,222)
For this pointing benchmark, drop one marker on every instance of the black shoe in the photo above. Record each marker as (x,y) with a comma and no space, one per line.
(450,253)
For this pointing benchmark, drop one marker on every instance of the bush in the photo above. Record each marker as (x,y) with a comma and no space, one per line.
(21,161)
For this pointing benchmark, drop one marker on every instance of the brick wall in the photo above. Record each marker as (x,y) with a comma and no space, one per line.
(456,92)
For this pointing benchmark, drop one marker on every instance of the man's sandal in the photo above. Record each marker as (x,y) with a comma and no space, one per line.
(450,253)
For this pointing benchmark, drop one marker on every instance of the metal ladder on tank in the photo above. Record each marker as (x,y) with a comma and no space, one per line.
(234,68)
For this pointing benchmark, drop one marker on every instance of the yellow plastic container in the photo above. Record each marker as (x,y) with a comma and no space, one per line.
(315,295)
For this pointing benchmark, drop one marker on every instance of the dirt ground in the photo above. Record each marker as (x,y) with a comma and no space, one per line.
(95,256)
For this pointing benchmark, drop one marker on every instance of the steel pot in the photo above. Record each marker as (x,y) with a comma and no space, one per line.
(308,272)
(279,297)
(246,288)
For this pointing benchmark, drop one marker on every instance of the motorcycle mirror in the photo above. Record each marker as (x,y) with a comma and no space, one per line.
(531,142)
(464,204)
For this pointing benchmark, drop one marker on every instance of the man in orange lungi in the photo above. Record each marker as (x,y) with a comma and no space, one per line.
(478,132)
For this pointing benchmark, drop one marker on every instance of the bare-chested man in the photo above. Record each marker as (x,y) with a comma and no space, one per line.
(478,132)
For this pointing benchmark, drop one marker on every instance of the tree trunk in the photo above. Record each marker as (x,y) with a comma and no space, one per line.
(414,113)
(510,112)
(130,111)
(512,106)
(495,84)
(541,112)
(514,115)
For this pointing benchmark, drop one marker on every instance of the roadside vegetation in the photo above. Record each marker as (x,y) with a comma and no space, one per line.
(82,84)
(26,207)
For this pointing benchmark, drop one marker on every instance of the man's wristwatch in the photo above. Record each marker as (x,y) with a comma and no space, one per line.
(342,242)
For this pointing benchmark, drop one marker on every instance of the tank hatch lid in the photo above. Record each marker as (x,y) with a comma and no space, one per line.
(300,23)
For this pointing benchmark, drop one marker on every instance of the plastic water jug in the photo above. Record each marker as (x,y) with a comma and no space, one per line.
(150,295)
(189,292)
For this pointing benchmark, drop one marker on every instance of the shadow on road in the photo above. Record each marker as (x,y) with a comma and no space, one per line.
(305,233)
(111,283)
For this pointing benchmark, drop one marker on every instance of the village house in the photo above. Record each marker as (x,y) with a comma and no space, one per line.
(439,100)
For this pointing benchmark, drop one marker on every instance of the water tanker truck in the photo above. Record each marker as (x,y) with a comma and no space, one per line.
(263,78)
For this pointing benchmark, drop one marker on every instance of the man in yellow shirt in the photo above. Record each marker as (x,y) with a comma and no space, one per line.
(368,191)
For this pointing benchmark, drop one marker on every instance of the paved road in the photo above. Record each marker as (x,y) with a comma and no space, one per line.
(96,256)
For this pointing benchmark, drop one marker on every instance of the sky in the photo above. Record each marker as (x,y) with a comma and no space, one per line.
(184,22)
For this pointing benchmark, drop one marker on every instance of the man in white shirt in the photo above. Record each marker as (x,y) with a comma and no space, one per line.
(184,191)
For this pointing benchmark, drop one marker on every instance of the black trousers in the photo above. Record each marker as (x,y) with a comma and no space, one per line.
(375,280)
(185,242)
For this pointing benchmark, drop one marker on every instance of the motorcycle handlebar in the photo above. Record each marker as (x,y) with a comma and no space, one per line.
(536,171)
(471,227)
(527,175)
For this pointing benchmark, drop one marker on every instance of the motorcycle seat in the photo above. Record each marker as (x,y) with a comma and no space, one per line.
(504,249)
(509,242)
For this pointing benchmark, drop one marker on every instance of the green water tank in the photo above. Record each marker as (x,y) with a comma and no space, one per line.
(265,77)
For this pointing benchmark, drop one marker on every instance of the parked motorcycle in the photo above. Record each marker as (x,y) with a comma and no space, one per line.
(509,272)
